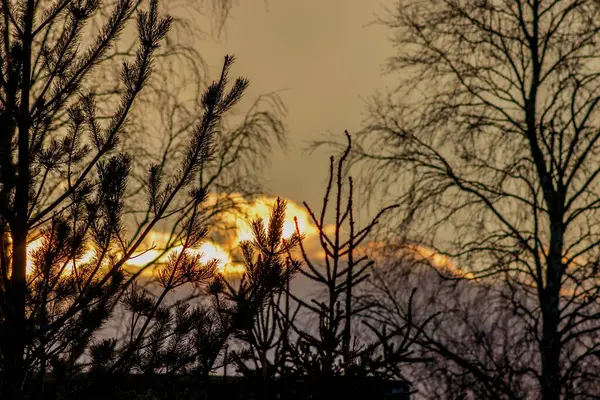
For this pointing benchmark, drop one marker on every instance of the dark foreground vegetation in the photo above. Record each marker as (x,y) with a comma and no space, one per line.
(480,282)
(223,388)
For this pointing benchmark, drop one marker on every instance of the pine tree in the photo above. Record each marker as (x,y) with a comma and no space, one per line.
(63,182)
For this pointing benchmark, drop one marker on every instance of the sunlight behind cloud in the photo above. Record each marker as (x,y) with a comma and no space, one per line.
(238,220)
(158,246)
(208,251)
(31,248)
(261,209)
(440,261)
(381,251)
(35,244)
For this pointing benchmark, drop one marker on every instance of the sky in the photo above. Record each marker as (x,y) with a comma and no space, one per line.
(325,58)
(326,62)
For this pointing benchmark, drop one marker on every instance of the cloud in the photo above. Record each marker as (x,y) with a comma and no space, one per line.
(236,228)
(383,252)
(158,245)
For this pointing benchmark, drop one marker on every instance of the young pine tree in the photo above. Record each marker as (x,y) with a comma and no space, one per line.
(64,176)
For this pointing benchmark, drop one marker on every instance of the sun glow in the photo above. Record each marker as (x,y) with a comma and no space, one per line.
(153,249)
(157,247)
(261,209)
(35,244)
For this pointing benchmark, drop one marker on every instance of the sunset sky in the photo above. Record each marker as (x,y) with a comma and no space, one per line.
(325,59)
(326,62)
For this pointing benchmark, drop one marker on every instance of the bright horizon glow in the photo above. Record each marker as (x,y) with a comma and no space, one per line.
(261,209)
(239,220)
(37,243)
(156,242)
(154,248)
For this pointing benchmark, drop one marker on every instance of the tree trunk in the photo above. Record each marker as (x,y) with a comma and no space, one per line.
(550,343)
(16,330)
(19,228)
(550,351)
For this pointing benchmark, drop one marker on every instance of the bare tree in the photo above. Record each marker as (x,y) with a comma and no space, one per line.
(491,144)
(465,338)
(336,347)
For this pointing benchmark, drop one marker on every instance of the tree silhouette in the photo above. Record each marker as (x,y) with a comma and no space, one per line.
(458,328)
(491,146)
(255,303)
(174,342)
(64,178)
(336,348)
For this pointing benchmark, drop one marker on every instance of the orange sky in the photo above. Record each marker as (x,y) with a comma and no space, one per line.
(154,246)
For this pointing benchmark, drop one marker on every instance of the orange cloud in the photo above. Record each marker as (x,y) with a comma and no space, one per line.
(245,212)
(238,220)
(154,248)
(382,250)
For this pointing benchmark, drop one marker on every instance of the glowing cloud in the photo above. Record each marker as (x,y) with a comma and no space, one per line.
(156,250)
(261,209)
(238,220)
(382,251)
(440,261)
(35,244)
